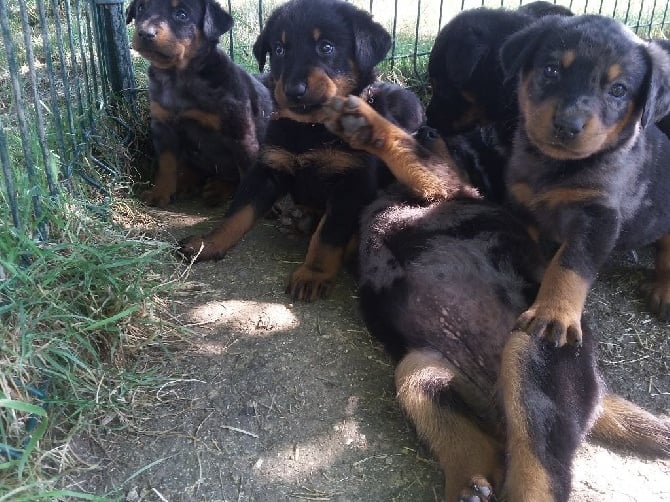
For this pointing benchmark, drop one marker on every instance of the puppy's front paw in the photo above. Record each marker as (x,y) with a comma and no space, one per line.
(353,120)
(308,284)
(198,248)
(156,197)
(658,294)
(557,326)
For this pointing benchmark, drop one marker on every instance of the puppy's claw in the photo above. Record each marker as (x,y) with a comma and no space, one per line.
(554,332)
(479,491)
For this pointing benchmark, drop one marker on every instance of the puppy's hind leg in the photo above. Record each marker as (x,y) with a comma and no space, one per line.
(470,458)
(550,398)
(623,424)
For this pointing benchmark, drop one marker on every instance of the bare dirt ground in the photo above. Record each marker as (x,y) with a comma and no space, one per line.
(276,401)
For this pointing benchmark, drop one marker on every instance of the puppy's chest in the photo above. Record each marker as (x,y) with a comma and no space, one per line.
(555,193)
(308,151)
(187,102)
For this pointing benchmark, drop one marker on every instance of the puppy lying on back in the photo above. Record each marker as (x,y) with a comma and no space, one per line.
(589,165)
(443,276)
(208,116)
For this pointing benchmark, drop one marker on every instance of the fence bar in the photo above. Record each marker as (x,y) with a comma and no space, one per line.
(39,115)
(114,48)
(9,178)
(22,121)
(63,148)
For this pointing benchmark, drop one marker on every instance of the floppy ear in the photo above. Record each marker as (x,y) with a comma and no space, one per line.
(261,49)
(657,104)
(130,12)
(465,54)
(372,39)
(262,45)
(216,21)
(516,53)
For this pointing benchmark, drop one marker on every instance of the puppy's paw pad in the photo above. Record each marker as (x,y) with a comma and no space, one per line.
(479,490)
(352,123)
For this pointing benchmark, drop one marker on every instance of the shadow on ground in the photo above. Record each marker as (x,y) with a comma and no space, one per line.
(275,401)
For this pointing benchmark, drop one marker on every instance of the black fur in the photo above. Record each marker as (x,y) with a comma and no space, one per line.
(443,276)
(208,116)
(473,104)
(317,49)
(589,163)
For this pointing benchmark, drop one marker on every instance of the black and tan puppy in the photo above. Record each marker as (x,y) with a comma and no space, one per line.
(208,116)
(473,104)
(589,163)
(443,276)
(318,49)
(469,88)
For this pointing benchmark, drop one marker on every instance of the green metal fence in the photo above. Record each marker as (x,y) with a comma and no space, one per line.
(65,65)
(59,72)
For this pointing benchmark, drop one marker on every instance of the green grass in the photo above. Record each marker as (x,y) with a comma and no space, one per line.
(81,340)
(78,333)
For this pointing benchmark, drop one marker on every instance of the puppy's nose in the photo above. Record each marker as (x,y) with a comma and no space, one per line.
(147,32)
(569,125)
(295,90)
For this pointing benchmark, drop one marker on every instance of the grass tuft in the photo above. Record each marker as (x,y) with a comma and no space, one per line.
(79,322)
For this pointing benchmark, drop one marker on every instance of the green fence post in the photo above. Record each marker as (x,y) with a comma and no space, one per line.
(114,47)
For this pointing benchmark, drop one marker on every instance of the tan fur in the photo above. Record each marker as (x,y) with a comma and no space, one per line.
(625,425)
(538,121)
(434,178)
(463,450)
(209,120)
(526,480)
(568,58)
(224,236)
(159,113)
(561,297)
(165,182)
(320,268)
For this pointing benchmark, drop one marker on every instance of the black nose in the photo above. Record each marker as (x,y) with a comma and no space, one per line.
(147,33)
(569,126)
(295,90)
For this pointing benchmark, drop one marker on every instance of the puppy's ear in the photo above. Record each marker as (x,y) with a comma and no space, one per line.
(517,52)
(466,53)
(657,104)
(262,45)
(372,39)
(130,12)
(261,49)
(216,21)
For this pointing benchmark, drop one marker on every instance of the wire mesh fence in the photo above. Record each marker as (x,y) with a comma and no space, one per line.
(64,63)
(56,79)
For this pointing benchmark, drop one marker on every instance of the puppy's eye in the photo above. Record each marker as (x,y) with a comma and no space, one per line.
(325,48)
(551,71)
(180,15)
(618,90)
(139,9)
(279,49)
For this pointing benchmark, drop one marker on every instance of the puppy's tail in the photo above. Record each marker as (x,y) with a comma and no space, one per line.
(623,424)
(429,390)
